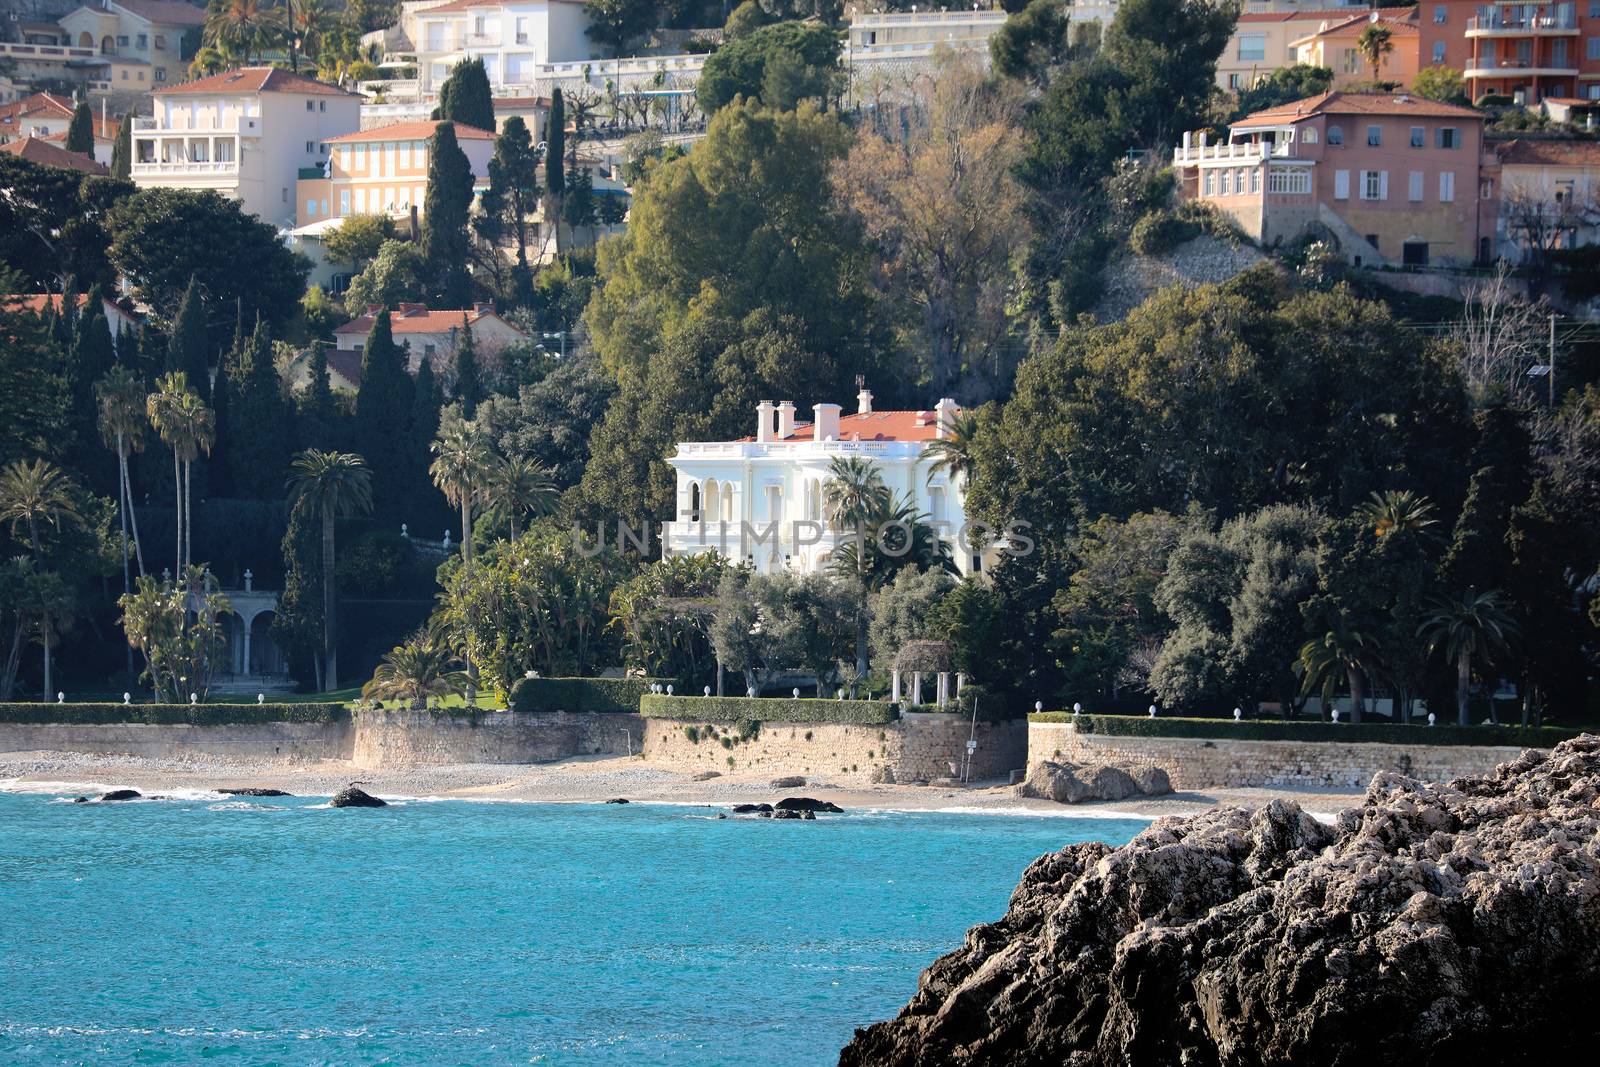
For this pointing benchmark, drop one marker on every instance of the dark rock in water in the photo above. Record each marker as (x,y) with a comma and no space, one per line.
(354,797)
(722,815)
(790,813)
(809,815)
(80,800)
(1263,937)
(752,809)
(254,792)
(121,794)
(617,800)
(808,804)
(793,781)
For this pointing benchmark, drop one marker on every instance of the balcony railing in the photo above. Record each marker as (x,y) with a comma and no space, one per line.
(1243,151)
(205,124)
(927,18)
(187,167)
(1566,20)
(1487,66)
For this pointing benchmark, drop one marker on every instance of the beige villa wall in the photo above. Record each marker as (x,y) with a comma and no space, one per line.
(918,749)
(287,741)
(1195,763)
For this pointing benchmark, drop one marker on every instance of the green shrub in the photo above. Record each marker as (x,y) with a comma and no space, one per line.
(1282,730)
(170,714)
(754,709)
(1161,231)
(617,696)
(991,705)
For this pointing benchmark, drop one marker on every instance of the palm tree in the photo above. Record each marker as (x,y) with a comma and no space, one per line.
(952,455)
(30,494)
(244,24)
(461,465)
(1339,656)
(1465,626)
(338,485)
(520,486)
(416,670)
(1398,512)
(122,424)
(309,20)
(188,427)
(853,496)
(1375,44)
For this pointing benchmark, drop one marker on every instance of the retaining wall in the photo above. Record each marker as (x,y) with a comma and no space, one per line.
(1194,763)
(391,738)
(919,748)
(288,741)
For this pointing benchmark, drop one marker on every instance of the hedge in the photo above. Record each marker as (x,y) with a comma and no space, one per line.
(616,696)
(1290,730)
(755,709)
(109,714)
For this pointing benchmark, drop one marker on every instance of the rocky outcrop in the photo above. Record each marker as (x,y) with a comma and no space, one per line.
(121,794)
(752,809)
(706,776)
(355,797)
(1434,924)
(808,804)
(617,800)
(1070,783)
(793,781)
(254,791)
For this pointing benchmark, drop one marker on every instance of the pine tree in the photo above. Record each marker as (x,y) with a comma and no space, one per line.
(317,415)
(445,246)
(93,353)
(297,626)
(427,401)
(469,379)
(122,149)
(555,180)
(465,96)
(80,131)
(383,415)
(258,446)
(188,346)
(579,211)
(515,172)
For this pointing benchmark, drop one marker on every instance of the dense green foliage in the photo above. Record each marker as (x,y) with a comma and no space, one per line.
(611,696)
(778,65)
(46,713)
(1268,730)
(781,709)
(444,225)
(465,96)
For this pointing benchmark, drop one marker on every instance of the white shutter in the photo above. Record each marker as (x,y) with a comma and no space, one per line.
(1447,186)
(1383,185)
(1414,186)
(1341,185)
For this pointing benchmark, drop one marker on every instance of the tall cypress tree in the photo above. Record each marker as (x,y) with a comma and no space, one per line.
(555,174)
(465,96)
(427,401)
(469,378)
(297,626)
(258,417)
(92,354)
(188,348)
(80,131)
(383,415)
(122,149)
(445,245)
(317,417)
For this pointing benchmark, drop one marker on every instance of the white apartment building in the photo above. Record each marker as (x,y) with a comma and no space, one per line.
(247,133)
(760,499)
(139,42)
(513,38)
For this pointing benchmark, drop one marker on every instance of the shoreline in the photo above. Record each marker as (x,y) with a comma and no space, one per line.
(588,780)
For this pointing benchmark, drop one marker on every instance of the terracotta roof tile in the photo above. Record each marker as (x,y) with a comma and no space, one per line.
(410,131)
(412,318)
(1345,103)
(37,150)
(1327,13)
(47,104)
(876,426)
(1550,153)
(166,12)
(255,80)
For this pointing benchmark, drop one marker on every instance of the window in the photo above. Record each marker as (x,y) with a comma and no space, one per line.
(1236,82)
(1563,190)
(1374,185)
(310,105)
(161,42)
(1208,186)
(1255,180)
(1372,239)
(161,74)
(1374,136)
(1227,183)
(311,209)
(1486,189)
(1438,51)
(1341,185)
(141,75)
(1594,9)
(122,40)
(1285,180)
(1252,46)
(1336,135)
(1558,52)
(1447,187)
(1414,253)
(311,148)
(1417,138)
(344,202)
(1414,186)
(285,194)
(1447,137)
(1439,12)
(144,41)
(1309,135)
(1593,46)
(322,105)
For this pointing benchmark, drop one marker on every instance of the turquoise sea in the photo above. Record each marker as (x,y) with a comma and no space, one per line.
(284,932)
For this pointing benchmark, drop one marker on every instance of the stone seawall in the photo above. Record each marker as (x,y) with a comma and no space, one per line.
(392,738)
(920,748)
(1196,763)
(288,741)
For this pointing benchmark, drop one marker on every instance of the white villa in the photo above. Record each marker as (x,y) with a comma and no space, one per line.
(247,134)
(760,499)
(514,38)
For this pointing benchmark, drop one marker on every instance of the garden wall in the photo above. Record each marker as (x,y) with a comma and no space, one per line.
(393,738)
(919,748)
(1201,763)
(288,741)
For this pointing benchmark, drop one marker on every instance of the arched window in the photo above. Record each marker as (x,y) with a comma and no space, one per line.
(713,499)
(1336,135)
(1311,135)
(694,501)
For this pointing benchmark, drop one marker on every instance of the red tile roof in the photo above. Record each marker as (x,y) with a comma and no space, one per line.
(255,80)
(1345,103)
(1329,13)
(166,12)
(410,131)
(1398,27)
(416,318)
(876,426)
(106,129)
(513,103)
(346,364)
(37,150)
(1550,153)
(472,5)
(46,104)
(38,303)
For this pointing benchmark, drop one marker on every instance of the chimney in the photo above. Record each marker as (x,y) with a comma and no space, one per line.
(944,417)
(483,307)
(764,421)
(864,402)
(785,419)
(826,426)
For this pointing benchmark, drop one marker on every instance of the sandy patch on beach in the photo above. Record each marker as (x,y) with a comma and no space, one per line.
(587,780)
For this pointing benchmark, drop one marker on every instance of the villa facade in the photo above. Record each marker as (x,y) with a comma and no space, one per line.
(246,134)
(1392,178)
(760,499)
(1524,51)
(433,335)
(139,43)
(513,38)
(383,171)
(1265,41)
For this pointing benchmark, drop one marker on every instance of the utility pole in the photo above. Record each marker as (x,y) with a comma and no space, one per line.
(1552,359)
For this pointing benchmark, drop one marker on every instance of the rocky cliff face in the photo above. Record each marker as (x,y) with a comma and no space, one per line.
(1434,924)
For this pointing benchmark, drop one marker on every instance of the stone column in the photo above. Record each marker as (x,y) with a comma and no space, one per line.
(895,682)
(246,668)
(916,687)
(944,689)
